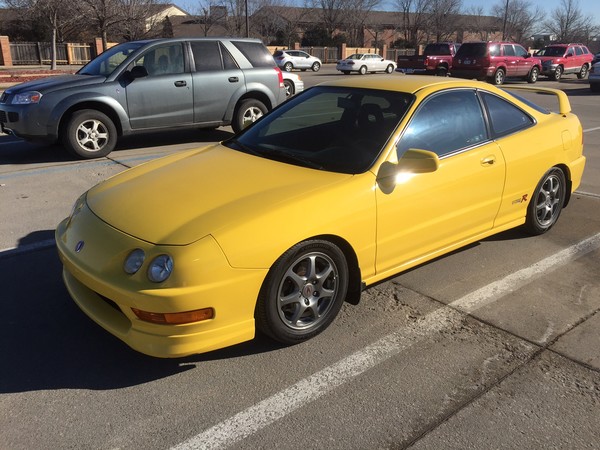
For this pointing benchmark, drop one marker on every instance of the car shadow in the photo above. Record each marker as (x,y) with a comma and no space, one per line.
(46,342)
(17,151)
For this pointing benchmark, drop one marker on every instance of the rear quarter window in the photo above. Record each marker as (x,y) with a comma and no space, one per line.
(256,53)
(505,118)
(477,50)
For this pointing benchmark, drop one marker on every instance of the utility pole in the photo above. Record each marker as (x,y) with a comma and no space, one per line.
(505,20)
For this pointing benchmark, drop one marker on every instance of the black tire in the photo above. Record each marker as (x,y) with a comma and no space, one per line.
(303,292)
(316,67)
(557,73)
(547,202)
(441,72)
(498,78)
(288,67)
(389,69)
(533,75)
(247,112)
(583,72)
(362,70)
(89,134)
(346,72)
(289,88)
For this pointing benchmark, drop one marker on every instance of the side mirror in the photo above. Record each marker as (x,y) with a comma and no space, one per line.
(414,161)
(138,72)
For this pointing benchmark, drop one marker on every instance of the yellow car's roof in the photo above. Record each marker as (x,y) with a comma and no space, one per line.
(404,83)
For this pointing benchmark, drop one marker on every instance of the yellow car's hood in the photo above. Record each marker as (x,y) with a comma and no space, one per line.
(181,198)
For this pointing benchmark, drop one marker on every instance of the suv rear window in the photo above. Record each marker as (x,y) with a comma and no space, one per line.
(256,53)
(473,50)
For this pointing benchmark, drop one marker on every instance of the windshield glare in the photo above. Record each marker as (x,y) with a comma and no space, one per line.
(105,63)
(338,129)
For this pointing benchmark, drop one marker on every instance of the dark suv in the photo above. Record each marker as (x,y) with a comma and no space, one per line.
(559,59)
(148,85)
(495,61)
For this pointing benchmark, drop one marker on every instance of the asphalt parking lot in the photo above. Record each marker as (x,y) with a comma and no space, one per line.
(493,346)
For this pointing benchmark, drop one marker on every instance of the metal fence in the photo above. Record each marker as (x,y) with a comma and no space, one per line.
(325,54)
(33,53)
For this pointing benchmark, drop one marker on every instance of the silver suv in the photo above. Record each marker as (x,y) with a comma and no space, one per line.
(145,86)
(289,60)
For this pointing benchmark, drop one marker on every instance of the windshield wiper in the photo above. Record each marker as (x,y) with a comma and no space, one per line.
(283,156)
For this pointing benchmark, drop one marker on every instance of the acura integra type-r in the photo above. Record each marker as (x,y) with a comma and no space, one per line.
(342,186)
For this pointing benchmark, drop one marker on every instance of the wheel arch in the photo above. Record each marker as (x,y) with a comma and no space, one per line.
(565,170)
(94,105)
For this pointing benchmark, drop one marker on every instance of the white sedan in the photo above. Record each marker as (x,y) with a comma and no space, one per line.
(293,83)
(365,62)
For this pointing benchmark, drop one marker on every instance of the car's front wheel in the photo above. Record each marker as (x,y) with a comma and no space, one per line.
(557,73)
(89,134)
(583,72)
(303,292)
(248,111)
(316,66)
(533,75)
(547,202)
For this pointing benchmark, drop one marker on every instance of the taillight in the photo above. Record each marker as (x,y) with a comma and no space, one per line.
(280,76)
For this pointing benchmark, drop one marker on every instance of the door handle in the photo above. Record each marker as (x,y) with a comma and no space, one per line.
(488,161)
(180,84)
(233,79)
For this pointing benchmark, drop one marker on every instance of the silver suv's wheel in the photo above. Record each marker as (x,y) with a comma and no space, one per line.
(303,292)
(316,66)
(89,134)
(248,111)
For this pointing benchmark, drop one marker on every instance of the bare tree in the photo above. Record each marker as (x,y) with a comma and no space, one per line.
(520,19)
(55,13)
(413,18)
(477,23)
(357,14)
(211,13)
(442,19)
(569,24)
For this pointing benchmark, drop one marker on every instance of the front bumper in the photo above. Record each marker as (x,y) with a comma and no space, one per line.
(202,278)
(24,121)
(548,69)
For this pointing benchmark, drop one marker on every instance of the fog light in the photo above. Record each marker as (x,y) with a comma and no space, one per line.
(178,318)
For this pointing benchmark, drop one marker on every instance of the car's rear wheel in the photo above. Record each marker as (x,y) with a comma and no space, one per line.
(547,202)
(362,70)
(441,72)
(303,292)
(533,75)
(557,73)
(389,69)
(248,111)
(583,72)
(288,66)
(346,72)
(316,66)
(289,88)
(89,134)
(498,78)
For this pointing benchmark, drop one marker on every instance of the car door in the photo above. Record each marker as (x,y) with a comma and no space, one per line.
(164,97)
(217,79)
(524,62)
(510,59)
(428,212)
(302,60)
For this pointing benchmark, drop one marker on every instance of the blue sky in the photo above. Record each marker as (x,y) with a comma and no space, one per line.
(589,7)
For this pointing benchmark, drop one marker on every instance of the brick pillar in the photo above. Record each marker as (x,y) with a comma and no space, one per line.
(5,57)
(343,51)
(296,46)
(98,46)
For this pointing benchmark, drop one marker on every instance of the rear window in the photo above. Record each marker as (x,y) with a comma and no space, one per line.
(256,53)
(472,50)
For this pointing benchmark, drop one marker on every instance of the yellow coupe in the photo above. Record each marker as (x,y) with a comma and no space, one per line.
(340,187)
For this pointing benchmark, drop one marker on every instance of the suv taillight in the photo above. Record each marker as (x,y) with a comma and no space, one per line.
(280,76)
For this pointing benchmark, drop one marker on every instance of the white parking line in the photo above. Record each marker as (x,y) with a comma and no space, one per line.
(264,413)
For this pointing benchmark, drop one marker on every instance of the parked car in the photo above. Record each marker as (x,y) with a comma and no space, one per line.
(495,62)
(435,60)
(365,62)
(289,60)
(147,85)
(293,84)
(596,58)
(340,187)
(594,78)
(559,59)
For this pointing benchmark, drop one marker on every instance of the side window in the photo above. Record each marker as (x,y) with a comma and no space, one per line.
(520,51)
(505,117)
(255,52)
(494,50)
(163,60)
(228,61)
(578,51)
(508,50)
(207,56)
(445,123)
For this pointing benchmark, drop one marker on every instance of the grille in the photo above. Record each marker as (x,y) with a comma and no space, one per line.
(3,118)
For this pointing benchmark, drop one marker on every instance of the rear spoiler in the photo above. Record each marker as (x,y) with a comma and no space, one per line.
(564,106)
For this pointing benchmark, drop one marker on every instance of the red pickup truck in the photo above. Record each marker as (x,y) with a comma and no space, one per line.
(435,60)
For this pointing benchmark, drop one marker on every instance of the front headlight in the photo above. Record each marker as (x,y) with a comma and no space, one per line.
(160,268)
(134,261)
(27,98)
